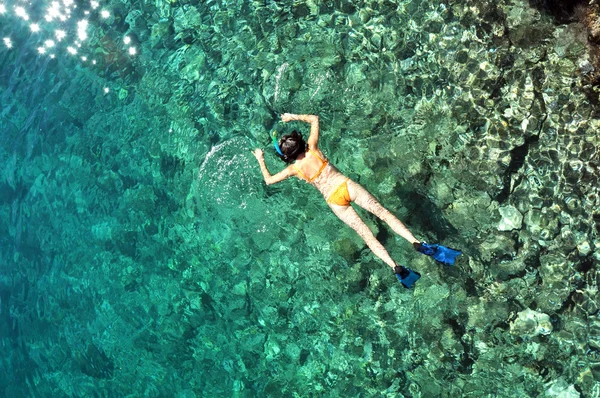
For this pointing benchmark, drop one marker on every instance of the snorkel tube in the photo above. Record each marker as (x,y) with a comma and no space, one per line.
(276,144)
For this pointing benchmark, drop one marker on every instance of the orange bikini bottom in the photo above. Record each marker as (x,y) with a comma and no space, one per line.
(340,196)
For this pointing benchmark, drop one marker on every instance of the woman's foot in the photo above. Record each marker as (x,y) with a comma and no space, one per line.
(406,276)
(441,254)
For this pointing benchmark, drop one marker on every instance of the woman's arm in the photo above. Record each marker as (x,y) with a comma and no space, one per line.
(313,139)
(272,179)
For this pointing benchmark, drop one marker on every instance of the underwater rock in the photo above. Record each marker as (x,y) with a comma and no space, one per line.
(544,225)
(531,323)
(550,301)
(470,212)
(575,335)
(568,41)
(593,327)
(195,61)
(293,351)
(272,348)
(557,275)
(188,18)
(442,189)
(498,248)
(511,218)
(586,379)
(507,269)
(554,269)
(240,289)
(560,389)
(483,314)
(160,31)
(136,21)
(526,25)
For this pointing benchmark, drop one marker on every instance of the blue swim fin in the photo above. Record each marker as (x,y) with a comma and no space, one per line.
(406,276)
(442,254)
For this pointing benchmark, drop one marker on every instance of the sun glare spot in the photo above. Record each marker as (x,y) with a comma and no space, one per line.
(20,11)
(81,27)
(50,15)
(106,90)
(53,11)
(60,34)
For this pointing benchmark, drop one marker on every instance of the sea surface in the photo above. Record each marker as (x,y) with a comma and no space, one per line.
(142,254)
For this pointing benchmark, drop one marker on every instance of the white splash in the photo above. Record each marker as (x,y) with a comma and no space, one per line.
(280,71)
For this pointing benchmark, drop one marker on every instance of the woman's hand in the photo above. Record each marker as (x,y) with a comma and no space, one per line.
(258,154)
(286,117)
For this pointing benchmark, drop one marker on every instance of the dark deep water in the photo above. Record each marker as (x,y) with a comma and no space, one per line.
(142,254)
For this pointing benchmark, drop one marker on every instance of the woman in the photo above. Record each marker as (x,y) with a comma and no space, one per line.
(339,191)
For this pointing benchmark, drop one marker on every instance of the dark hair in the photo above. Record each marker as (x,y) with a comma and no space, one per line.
(292,146)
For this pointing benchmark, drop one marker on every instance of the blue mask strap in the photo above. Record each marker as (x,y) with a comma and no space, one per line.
(275,144)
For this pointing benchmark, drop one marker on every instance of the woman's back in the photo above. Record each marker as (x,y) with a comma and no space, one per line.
(329,179)
(310,166)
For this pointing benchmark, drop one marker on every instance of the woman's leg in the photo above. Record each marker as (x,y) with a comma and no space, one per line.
(348,215)
(364,199)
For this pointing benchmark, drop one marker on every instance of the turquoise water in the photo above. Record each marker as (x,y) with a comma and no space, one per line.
(142,254)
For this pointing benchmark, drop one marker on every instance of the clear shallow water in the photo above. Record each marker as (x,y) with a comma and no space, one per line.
(143,255)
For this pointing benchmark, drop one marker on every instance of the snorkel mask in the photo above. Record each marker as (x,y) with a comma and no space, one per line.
(276,144)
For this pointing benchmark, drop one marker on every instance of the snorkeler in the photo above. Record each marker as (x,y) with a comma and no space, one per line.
(308,163)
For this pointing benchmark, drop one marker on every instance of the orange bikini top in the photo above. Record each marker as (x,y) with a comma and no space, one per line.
(309,180)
